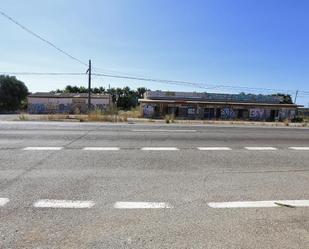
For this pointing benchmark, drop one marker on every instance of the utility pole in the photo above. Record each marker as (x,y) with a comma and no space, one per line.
(89,86)
(296,94)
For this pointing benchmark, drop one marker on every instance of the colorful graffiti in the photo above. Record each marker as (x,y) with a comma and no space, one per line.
(257,114)
(48,108)
(148,110)
(286,114)
(60,108)
(228,113)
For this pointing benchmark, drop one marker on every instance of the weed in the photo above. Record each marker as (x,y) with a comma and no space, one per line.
(23,117)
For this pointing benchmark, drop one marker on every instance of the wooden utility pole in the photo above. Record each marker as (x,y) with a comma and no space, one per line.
(296,94)
(89,86)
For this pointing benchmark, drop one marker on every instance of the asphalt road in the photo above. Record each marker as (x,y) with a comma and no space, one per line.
(83,185)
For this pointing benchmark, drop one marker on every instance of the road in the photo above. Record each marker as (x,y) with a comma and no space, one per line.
(90,185)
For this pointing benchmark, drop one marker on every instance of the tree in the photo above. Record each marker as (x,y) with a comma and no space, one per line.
(286,98)
(125,98)
(140,92)
(12,93)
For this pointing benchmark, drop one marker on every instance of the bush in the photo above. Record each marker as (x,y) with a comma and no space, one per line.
(298,119)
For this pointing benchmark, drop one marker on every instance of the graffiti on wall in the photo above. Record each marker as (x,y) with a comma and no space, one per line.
(191,111)
(60,108)
(286,114)
(148,110)
(48,108)
(257,113)
(227,113)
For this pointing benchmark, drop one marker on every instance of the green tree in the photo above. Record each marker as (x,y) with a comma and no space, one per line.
(12,93)
(140,92)
(286,98)
(125,98)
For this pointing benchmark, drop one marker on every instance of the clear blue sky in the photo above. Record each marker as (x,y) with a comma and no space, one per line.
(250,43)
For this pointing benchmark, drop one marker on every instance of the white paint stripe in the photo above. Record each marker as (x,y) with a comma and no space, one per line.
(141,205)
(259,204)
(260,148)
(3,201)
(101,148)
(214,148)
(161,130)
(299,148)
(43,148)
(46,203)
(159,148)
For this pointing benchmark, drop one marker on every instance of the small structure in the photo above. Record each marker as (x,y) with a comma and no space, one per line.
(48,102)
(193,105)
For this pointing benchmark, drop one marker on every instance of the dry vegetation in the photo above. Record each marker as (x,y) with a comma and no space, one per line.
(112,115)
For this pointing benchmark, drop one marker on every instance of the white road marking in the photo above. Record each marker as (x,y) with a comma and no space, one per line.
(43,148)
(161,130)
(160,148)
(260,148)
(46,203)
(102,148)
(299,148)
(214,148)
(141,205)
(259,204)
(3,201)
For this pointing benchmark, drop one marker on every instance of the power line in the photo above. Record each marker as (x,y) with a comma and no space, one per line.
(41,38)
(199,85)
(36,73)
(164,81)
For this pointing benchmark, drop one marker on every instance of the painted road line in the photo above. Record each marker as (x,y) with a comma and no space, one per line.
(214,148)
(101,148)
(260,204)
(260,148)
(299,148)
(141,205)
(3,201)
(161,130)
(43,148)
(46,203)
(160,148)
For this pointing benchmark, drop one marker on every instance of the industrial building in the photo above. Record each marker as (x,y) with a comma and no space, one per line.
(216,106)
(48,102)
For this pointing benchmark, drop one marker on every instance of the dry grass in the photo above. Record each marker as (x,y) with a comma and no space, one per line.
(23,117)
(56,117)
(169,118)
(133,113)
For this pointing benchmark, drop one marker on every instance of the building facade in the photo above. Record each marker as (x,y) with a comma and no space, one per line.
(48,103)
(215,106)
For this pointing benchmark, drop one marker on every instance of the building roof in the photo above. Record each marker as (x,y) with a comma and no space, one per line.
(188,102)
(67,95)
(214,97)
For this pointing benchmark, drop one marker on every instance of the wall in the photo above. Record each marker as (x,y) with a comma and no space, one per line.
(185,111)
(63,105)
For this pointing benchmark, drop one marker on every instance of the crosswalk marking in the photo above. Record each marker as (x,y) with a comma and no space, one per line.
(161,130)
(160,148)
(260,204)
(101,148)
(166,148)
(299,148)
(47,203)
(3,201)
(214,148)
(43,148)
(260,148)
(141,205)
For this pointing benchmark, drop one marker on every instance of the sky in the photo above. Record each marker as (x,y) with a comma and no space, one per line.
(250,43)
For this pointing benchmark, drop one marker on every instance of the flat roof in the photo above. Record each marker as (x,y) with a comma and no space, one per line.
(214,97)
(66,95)
(216,103)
